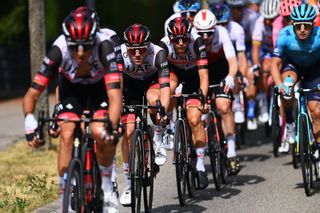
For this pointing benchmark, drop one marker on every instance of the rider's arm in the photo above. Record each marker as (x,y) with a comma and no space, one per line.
(275,71)
(49,65)
(202,62)
(164,78)
(112,80)
(257,40)
(229,52)
(241,50)
(116,41)
(278,54)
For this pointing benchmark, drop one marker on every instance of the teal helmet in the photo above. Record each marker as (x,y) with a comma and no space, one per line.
(303,13)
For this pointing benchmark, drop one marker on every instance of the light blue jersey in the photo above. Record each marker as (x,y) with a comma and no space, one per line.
(299,53)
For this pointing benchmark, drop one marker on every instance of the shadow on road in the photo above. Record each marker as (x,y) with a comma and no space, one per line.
(253,157)
(189,207)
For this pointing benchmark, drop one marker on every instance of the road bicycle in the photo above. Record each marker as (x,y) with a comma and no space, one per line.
(142,167)
(217,146)
(82,192)
(306,146)
(184,152)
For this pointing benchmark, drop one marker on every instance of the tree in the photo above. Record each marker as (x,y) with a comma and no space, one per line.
(37,52)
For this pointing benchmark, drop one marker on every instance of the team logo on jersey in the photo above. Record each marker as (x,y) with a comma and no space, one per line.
(139,68)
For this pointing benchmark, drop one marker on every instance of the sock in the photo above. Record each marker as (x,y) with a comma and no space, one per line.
(127,182)
(106,185)
(231,146)
(236,104)
(157,136)
(62,181)
(289,116)
(200,159)
(114,172)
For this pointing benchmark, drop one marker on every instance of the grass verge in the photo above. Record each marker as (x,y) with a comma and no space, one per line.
(29,177)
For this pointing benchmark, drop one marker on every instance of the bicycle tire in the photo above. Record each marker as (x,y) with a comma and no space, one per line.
(149,172)
(214,153)
(191,160)
(136,164)
(295,156)
(276,131)
(180,164)
(73,191)
(305,155)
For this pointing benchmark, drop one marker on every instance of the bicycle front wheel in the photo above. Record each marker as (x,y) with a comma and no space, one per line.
(214,153)
(180,161)
(305,155)
(73,197)
(149,171)
(136,170)
(276,130)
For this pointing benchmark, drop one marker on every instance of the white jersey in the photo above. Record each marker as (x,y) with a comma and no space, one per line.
(69,65)
(237,36)
(188,61)
(263,34)
(108,32)
(144,70)
(221,46)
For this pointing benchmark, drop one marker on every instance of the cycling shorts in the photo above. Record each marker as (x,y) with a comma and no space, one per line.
(76,97)
(189,78)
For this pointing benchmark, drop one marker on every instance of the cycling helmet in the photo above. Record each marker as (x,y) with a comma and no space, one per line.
(303,13)
(204,21)
(211,2)
(269,9)
(91,12)
(236,3)
(286,6)
(188,5)
(136,35)
(80,27)
(222,12)
(179,27)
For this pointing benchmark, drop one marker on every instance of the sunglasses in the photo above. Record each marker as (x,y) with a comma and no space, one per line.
(209,34)
(77,47)
(134,50)
(177,40)
(303,25)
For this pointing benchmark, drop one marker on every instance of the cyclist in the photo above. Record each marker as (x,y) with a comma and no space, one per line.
(237,36)
(245,14)
(88,65)
(145,71)
(223,67)
(283,20)
(297,53)
(261,52)
(188,63)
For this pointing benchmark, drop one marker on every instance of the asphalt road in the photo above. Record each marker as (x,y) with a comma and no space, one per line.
(265,183)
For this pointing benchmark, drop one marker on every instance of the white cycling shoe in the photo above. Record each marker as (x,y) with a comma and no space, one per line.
(284,148)
(125,198)
(238,117)
(290,133)
(252,124)
(160,155)
(168,140)
(110,204)
(263,117)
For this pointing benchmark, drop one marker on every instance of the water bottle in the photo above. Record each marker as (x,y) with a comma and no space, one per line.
(288,84)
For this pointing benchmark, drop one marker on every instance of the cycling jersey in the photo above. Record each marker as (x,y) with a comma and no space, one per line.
(300,53)
(277,25)
(248,20)
(263,33)
(116,41)
(196,55)
(102,64)
(155,61)
(237,36)
(221,46)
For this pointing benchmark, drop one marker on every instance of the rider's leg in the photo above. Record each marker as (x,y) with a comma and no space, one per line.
(263,90)
(251,94)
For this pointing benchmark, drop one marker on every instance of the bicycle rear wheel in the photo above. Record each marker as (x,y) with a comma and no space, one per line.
(136,164)
(305,155)
(214,153)
(73,196)
(180,161)
(240,134)
(149,172)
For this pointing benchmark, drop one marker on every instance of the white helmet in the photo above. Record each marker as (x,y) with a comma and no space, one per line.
(269,9)
(204,21)
(236,3)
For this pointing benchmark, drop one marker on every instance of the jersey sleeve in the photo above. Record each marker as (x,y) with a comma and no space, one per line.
(112,77)
(117,48)
(278,51)
(240,40)
(200,51)
(163,70)
(227,44)
(257,34)
(164,46)
(50,64)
